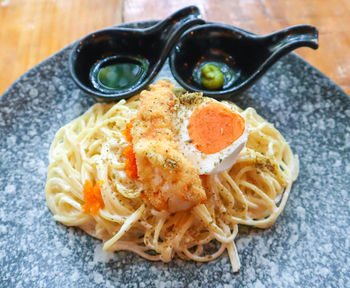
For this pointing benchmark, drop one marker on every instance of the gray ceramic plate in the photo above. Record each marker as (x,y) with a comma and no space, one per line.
(308,246)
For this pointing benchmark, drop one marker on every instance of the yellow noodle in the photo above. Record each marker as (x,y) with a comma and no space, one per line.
(253,192)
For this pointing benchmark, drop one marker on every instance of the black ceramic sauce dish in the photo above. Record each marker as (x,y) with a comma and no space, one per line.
(246,55)
(191,43)
(150,46)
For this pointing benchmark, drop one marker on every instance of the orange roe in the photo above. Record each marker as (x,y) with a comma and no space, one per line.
(92,197)
(127,131)
(143,195)
(130,162)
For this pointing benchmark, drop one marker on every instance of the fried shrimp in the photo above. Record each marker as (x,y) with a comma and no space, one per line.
(169,180)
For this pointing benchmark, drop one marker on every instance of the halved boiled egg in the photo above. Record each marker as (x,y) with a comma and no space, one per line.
(211,134)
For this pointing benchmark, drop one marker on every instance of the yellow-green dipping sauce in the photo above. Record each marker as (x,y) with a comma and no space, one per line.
(211,77)
(215,75)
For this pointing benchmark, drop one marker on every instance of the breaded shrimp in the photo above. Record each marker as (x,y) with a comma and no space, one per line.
(170,181)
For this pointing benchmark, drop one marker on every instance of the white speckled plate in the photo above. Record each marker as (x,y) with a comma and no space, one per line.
(307,247)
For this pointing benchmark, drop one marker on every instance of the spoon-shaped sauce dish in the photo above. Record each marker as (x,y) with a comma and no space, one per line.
(221,60)
(117,62)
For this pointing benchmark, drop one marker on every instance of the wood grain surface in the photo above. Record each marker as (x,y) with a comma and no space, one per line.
(32,30)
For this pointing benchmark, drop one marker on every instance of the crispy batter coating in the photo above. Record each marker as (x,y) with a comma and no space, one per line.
(170,181)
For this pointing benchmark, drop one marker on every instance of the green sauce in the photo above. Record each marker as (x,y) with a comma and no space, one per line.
(215,75)
(211,77)
(118,73)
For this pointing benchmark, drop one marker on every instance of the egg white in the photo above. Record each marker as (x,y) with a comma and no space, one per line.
(206,163)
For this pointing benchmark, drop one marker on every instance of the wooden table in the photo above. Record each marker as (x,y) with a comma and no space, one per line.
(32,30)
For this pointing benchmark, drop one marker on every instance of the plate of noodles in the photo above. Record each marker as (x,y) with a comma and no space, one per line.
(136,194)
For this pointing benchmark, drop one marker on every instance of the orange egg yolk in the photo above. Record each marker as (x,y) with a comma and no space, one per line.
(213,127)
